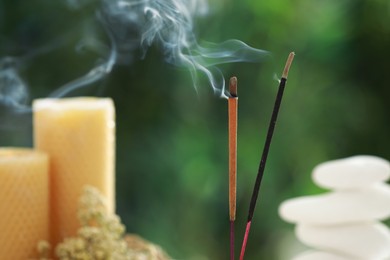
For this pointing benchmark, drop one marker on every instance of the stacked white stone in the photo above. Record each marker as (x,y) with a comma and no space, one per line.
(344,224)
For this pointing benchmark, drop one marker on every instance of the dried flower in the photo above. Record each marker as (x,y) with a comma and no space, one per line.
(43,248)
(101,236)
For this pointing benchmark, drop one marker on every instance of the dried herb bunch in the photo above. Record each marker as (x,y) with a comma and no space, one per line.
(101,236)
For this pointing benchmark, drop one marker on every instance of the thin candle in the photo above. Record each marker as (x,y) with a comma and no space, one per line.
(267,145)
(232,117)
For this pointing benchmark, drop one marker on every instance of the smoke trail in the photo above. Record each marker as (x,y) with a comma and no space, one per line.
(132,25)
(95,74)
(13,90)
(138,24)
(169,24)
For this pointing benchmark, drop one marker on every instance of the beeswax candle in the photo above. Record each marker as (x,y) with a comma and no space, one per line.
(78,134)
(24,193)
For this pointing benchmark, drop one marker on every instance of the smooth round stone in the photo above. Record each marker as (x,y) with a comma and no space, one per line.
(362,241)
(353,172)
(339,207)
(318,255)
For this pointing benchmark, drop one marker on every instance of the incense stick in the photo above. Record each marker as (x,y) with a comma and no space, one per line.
(232,116)
(267,144)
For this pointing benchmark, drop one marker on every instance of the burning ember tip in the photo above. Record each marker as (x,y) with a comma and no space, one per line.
(233,86)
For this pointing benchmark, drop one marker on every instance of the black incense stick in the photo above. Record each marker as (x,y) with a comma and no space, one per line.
(267,145)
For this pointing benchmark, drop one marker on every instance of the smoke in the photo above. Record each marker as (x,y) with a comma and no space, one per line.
(13,98)
(13,90)
(169,24)
(95,74)
(130,26)
(138,24)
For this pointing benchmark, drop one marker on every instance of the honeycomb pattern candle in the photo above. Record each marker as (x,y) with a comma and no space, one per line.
(24,193)
(344,224)
(78,134)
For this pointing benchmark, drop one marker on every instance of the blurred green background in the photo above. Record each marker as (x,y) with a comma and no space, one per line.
(172,168)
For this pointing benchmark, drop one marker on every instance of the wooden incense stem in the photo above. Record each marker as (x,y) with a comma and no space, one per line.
(232,117)
(267,144)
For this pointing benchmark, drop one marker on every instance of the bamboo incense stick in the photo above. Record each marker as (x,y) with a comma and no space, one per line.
(265,152)
(232,117)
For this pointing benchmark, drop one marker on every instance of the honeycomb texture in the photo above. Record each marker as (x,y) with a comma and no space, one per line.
(24,193)
(78,134)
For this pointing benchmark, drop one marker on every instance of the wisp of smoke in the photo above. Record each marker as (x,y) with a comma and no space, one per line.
(95,74)
(13,90)
(132,25)
(169,24)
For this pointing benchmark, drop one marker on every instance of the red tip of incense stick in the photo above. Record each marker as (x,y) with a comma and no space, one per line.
(288,64)
(232,240)
(248,227)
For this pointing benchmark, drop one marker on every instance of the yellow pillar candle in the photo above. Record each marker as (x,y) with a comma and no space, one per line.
(24,202)
(78,134)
